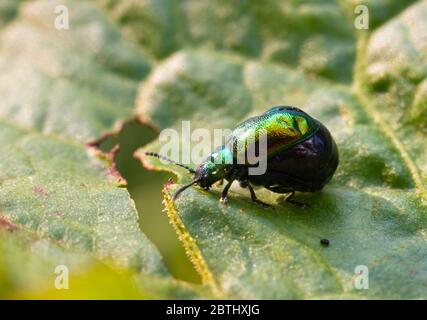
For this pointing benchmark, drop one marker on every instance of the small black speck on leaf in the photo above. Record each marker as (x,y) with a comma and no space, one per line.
(324,242)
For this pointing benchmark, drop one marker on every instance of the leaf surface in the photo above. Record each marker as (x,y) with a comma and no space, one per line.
(373,211)
(62,201)
(215,63)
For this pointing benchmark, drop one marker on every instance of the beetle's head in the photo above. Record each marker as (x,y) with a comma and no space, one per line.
(214,168)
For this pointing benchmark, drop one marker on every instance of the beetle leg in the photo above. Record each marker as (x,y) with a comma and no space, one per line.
(283,189)
(297,203)
(254,197)
(224,192)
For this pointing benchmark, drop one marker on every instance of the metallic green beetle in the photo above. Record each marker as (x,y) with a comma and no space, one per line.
(301,155)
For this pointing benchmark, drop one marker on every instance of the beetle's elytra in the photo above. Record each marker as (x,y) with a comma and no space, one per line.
(301,155)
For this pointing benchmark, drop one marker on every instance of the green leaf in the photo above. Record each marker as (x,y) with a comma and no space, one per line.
(63,207)
(63,199)
(216,63)
(79,82)
(373,211)
(394,75)
(315,35)
(31,268)
(54,187)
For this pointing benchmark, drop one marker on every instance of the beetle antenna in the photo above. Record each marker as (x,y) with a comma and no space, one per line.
(178,192)
(153,154)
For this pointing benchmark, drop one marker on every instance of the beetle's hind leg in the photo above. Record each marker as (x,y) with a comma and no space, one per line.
(281,189)
(295,202)
(245,184)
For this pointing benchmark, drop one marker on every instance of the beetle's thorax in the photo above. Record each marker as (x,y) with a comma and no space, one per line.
(216,166)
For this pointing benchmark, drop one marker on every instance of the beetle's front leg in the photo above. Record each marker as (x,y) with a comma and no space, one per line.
(224,192)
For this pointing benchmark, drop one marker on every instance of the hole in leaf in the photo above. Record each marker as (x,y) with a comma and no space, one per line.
(145,188)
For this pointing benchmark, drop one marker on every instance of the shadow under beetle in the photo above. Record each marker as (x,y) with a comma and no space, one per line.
(301,156)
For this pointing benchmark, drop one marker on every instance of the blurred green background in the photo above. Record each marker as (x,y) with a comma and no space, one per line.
(145,188)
